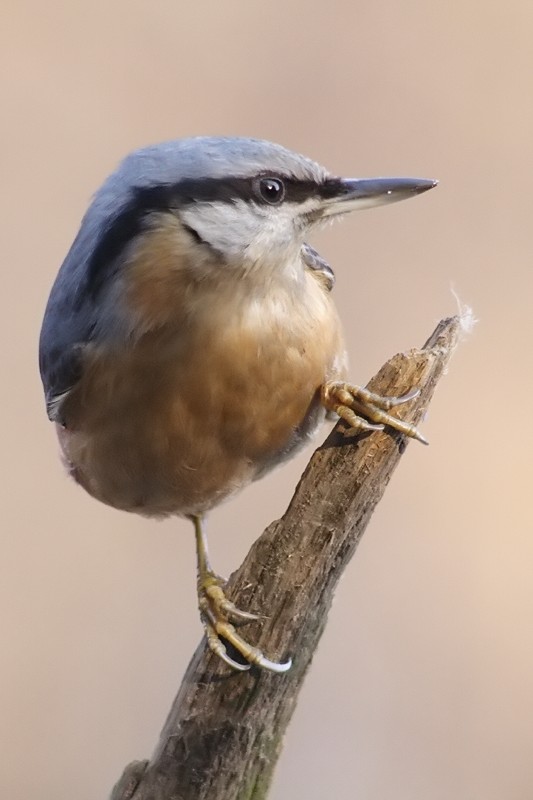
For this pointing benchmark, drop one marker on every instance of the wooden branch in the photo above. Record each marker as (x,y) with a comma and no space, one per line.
(224,732)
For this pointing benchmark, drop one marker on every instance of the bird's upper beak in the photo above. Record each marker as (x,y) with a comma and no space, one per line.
(348,194)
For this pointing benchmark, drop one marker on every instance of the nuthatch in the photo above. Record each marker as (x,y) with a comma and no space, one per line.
(190,343)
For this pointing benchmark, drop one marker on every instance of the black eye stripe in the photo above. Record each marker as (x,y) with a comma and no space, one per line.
(230,189)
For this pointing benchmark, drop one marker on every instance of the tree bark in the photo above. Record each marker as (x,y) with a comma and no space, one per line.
(224,732)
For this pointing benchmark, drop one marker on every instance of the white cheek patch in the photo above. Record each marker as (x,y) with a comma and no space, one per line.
(226,227)
(274,235)
(250,234)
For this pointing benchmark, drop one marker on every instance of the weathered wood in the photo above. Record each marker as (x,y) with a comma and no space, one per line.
(224,732)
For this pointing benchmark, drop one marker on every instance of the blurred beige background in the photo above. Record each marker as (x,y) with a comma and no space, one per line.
(422,686)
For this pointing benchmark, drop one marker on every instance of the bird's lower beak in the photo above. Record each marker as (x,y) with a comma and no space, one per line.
(348,194)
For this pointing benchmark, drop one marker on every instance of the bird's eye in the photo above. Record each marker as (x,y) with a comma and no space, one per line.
(271,190)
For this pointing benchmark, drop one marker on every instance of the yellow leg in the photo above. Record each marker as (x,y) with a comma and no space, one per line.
(216,611)
(349,402)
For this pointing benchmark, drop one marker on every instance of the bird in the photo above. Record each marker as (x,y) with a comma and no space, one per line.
(190,343)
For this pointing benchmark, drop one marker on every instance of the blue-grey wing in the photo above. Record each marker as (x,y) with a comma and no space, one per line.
(68,325)
(71,317)
(65,333)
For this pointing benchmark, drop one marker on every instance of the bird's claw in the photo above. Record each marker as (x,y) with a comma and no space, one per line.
(216,611)
(357,405)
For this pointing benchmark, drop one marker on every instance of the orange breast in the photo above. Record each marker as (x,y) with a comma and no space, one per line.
(173,426)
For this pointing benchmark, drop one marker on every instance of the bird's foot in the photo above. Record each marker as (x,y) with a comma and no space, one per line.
(217,612)
(363,410)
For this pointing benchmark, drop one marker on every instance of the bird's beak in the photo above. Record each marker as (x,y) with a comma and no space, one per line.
(347,194)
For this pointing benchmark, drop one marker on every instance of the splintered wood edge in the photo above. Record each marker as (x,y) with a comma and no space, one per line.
(290,573)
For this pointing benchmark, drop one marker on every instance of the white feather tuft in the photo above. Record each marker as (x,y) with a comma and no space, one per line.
(466,314)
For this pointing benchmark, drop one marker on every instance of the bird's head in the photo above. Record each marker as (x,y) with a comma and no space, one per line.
(244,203)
